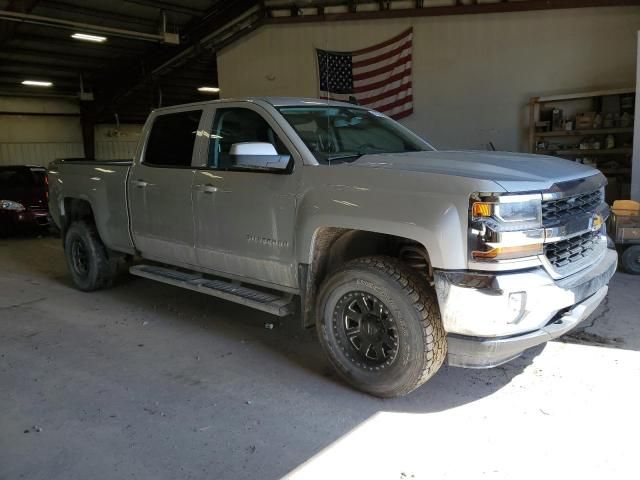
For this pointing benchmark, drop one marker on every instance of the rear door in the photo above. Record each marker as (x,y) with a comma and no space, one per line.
(245,219)
(160,188)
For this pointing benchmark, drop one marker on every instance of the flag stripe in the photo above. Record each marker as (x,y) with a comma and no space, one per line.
(399,109)
(383,44)
(384,56)
(389,104)
(384,94)
(383,76)
(382,83)
(406,113)
(396,62)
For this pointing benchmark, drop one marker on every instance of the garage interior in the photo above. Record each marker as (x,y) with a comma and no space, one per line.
(144,380)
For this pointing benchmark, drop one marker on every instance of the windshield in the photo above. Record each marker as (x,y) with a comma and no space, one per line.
(342,134)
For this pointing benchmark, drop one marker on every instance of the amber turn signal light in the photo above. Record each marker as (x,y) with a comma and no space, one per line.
(509,252)
(481,210)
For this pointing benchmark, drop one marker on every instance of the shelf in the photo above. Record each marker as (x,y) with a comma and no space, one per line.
(577,96)
(587,153)
(580,133)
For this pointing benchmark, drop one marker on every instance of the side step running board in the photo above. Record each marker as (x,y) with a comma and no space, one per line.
(234,292)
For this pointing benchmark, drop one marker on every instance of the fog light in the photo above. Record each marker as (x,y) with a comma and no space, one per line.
(517,304)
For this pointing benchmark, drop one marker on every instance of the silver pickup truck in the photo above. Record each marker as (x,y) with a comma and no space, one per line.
(402,256)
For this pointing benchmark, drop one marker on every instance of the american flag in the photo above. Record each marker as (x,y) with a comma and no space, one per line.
(377,77)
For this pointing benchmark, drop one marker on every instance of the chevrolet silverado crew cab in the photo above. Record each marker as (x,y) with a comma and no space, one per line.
(402,256)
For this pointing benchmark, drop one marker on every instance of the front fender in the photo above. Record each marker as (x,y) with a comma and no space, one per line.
(439,228)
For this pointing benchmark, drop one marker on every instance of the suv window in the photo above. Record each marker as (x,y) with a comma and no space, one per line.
(19,177)
(236,125)
(172,139)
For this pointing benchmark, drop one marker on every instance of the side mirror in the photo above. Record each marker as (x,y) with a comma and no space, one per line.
(258,155)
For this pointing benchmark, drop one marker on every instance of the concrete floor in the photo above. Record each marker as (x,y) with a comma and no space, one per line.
(148,381)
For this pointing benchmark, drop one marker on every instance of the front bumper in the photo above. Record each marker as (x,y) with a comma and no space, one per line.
(485,330)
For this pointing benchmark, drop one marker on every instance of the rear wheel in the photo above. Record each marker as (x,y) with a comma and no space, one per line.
(631,260)
(380,326)
(87,258)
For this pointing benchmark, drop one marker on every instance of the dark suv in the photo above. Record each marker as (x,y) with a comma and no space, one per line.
(23,198)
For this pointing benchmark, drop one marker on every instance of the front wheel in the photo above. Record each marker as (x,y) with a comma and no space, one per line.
(380,326)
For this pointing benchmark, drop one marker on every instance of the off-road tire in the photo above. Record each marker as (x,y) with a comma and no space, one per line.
(421,339)
(100,269)
(631,260)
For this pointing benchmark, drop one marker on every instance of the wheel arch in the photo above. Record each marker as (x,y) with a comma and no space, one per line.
(73,209)
(331,247)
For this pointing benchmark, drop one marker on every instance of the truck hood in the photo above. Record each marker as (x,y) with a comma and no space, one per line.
(515,172)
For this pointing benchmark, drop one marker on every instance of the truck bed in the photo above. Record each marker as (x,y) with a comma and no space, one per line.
(103,184)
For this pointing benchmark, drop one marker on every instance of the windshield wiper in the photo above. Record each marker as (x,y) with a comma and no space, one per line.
(347,157)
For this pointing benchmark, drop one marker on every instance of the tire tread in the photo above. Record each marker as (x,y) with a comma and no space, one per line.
(423,300)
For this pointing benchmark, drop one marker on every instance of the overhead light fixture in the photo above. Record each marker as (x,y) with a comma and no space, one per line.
(89,38)
(36,83)
(209,89)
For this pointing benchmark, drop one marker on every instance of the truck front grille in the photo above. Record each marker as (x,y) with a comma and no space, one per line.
(556,212)
(565,252)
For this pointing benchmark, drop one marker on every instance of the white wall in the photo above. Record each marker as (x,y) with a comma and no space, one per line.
(473,74)
(37,140)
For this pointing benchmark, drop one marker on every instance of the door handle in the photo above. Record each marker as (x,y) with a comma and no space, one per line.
(140,183)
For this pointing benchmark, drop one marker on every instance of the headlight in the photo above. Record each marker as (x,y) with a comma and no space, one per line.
(505,227)
(11,205)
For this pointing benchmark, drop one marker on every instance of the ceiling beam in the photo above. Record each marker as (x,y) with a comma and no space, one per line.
(52,57)
(7,29)
(18,64)
(168,7)
(47,93)
(52,22)
(38,41)
(101,13)
(457,9)
(23,68)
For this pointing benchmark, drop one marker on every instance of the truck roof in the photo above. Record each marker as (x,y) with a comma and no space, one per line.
(275,101)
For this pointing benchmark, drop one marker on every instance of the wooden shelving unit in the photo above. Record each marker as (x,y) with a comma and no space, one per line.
(579,133)
(615,162)
(587,153)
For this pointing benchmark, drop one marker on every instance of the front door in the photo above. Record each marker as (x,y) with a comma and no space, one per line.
(245,219)
(160,189)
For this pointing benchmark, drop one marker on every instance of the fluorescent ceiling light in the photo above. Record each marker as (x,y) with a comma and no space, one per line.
(209,89)
(89,38)
(36,83)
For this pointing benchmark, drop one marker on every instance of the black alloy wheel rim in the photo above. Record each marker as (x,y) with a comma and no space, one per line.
(365,330)
(79,258)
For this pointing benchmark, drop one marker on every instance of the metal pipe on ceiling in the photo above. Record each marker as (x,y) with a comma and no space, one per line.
(86,27)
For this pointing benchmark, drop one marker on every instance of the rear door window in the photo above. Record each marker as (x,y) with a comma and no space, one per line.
(172,139)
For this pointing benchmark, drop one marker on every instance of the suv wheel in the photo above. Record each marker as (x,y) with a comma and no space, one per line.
(379,324)
(87,258)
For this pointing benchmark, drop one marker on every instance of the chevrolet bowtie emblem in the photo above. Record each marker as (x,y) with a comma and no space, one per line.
(597,222)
